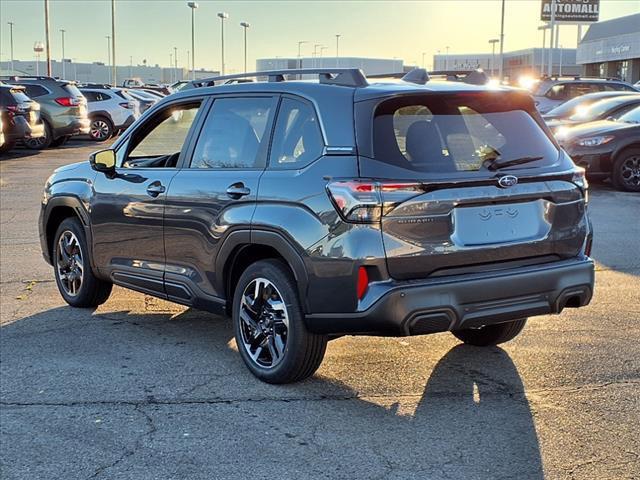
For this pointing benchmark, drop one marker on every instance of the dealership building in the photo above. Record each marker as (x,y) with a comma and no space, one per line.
(612,49)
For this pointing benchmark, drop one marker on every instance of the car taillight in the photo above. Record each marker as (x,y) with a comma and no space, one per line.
(580,179)
(127,105)
(68,101)
(363,282)
(361,201)
(11,110)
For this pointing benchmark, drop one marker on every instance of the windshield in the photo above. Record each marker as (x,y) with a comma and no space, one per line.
(143,94)
(598,109)
(72,90)
(458,133)
(572,106)
(632,116)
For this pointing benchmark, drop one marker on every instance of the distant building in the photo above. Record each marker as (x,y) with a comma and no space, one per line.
(98,72)
(612,49)
(370,66)
(518,63)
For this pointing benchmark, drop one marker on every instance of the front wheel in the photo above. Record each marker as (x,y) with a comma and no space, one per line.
(101,129)
(491,334)
(40,143)
(76,282)
(270,332)
(626,170)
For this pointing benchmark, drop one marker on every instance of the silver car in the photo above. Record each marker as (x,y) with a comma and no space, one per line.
(111,110)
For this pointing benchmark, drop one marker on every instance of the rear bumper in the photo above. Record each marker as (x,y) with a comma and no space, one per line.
(76,127)
(463,301)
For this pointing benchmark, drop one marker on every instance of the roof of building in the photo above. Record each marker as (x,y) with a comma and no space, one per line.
(613,28)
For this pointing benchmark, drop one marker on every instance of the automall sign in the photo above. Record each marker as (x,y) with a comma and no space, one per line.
(571,10)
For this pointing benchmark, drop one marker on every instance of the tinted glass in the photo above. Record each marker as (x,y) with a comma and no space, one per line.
(19,96)
(297,140)
(599,109)
(631,117)
(232,134)
(72,90)
(557,92)
(457,133)
(90,96)
(36,91)
(164,134)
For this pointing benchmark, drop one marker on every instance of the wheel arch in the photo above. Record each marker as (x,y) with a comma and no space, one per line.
(243,247)
(57,210)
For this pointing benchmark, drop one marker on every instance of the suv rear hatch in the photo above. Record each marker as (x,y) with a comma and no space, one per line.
(467,182)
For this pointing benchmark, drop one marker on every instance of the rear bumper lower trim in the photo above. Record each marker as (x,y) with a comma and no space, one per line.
(467,301)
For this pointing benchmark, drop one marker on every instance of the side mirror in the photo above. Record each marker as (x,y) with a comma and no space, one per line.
(104,161)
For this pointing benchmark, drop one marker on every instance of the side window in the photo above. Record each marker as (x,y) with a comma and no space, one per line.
(34,91)
(90,96)
(233,134)
(159,141)
(577,89)
(557,92)
(297,140)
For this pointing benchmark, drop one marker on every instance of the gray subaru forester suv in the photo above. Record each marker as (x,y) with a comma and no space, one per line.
(307,210)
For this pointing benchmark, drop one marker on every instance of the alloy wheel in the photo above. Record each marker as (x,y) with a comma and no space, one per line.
(69,263)
(99,130)
(264,323)
(630,171)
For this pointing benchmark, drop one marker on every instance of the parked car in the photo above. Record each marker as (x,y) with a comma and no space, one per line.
(62,107)
(111,110)
(20,116)
(153,93)
(136,83)
(1,129)
(144,100)
(310,210)
(179,85)
(581,103)
(608,148)
(554,91)
(608,108)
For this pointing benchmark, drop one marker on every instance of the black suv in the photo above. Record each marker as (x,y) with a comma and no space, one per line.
(20,116)
(309,210)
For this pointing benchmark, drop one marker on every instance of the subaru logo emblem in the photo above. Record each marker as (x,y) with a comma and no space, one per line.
(507,181)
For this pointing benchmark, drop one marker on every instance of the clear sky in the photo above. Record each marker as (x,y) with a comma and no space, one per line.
(149,29)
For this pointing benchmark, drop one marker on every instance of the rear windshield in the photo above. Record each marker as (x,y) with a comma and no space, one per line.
(72,90)
(19,96)
(458,133)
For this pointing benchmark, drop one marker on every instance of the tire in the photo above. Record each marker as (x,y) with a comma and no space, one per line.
(40,143)
(89,291)
(7,146)
(101,129)
(625,174)
(275,325)
(491,334)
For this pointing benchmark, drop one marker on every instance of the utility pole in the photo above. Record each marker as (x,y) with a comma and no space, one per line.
(175,61)
(493,42)
(113,42)
(193,6)
(170,68)
(48,37)
(108,37)
(501,44)
(245,26)
(11,24)
(223,16)
(62,30)
(552,26)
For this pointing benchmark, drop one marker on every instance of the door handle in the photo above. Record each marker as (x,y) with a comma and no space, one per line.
(238,190)
(155,188)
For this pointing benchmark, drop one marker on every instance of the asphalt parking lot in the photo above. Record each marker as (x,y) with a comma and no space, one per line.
(143,389)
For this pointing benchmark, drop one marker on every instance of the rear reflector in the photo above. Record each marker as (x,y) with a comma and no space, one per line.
(363,282)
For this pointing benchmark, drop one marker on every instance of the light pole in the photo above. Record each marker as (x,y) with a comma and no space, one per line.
(130,66)
(108,37)
(223,16)
(338,44)
(552,26)
(62,30)
(501,43)
(446,59)
(47,35)
(11,24)
(38,48)
(170,68)
(423,56)
(493,42)
(245,26)
(315,49)
(544,29)
(322,49)
(175,61)
(113,43)
(193,6)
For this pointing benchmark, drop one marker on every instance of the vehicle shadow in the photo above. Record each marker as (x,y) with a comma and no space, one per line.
(471,420)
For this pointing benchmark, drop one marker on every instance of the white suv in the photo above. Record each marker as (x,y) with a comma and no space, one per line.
(111,110)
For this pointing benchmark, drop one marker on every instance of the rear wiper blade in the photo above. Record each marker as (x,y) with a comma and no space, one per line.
(495,164)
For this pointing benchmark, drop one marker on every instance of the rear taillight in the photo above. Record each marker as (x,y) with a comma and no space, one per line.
(127,105)
(68,101)
(363,201)
(363,282)
(11,110)
(580,179)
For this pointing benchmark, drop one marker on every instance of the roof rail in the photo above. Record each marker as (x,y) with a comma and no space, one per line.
(346,77)
(27,77)
(421,76)
(105,86)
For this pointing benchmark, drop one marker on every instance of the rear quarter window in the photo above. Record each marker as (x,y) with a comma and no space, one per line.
(35,91)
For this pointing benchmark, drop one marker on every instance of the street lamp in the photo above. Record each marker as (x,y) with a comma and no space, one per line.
(493,42)
(315,49)
(175,61)
(38,48)
(323,48)
(446,59)
(62,30)
(501,43)
(170,68)
(108,37)
(223,16)
(11,24)
(423,65)
(193,6)
(245,26)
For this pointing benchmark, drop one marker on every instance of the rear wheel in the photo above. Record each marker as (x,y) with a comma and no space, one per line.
(42,142)
(58,142)
(626,170)
(270,332)
(491,334)
(101,129)
(76,282)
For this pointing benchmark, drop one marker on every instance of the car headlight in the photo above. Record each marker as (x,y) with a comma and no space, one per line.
(595,141)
